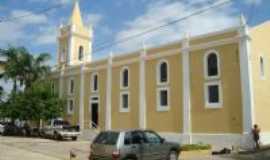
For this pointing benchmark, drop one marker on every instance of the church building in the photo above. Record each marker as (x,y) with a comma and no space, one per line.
(208,88)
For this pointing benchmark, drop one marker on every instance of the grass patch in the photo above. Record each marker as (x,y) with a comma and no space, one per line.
(195,147)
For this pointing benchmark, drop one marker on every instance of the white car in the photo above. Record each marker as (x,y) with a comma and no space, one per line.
(1,128)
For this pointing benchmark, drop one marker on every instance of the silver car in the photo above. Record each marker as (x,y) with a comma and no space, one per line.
(132,145)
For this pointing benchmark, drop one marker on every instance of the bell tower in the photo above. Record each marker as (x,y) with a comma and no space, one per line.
(74,40)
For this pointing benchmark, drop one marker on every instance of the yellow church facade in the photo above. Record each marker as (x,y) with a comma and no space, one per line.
(209,88)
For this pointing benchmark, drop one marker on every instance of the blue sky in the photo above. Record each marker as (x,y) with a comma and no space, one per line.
(115,19)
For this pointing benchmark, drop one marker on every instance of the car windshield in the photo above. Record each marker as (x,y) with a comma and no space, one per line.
(108,138)
(60,123)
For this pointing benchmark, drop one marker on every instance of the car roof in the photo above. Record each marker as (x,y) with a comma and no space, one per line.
(128,130)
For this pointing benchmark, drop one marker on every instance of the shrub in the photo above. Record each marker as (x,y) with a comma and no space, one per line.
(194,147)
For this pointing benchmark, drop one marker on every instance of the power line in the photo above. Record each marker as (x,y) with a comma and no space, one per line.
(125,39)
(31,14)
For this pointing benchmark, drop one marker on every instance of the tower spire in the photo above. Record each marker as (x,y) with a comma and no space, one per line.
(76,18)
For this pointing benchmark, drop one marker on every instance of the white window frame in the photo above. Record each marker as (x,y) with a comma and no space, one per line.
(159,107)
(122,77)
(158,72)
(262,67)
(69,112)
(206,64)
(92,102)
(81,59)
(206,95)
(69,86)
(93,82)
(122,109)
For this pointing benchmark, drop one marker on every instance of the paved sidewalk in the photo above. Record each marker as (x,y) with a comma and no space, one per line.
(12,153)
(11,148)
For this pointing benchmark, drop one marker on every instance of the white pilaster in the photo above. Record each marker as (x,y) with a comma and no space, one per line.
(186,90)
(246,77)
(61,81)
(81,115)
(108,123)
(142,107)
(70,45)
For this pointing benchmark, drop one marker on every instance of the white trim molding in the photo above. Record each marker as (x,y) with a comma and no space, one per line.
(61,82)
(122,87)
(158,72)
(186,112)
(211,105)
(91,101)
(246,77)
(161,108)
(121,107)
(108,117)
(142,91)
(206,76)
(81,115)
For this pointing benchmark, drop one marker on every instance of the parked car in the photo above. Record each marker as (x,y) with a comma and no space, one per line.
(133,145)
(11,129)
(59,130)
(2,126)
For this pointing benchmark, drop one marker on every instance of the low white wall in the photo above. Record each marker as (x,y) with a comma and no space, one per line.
(218,141)
(265,138)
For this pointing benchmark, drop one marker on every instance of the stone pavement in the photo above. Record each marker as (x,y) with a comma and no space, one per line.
(11,153)
(41,149)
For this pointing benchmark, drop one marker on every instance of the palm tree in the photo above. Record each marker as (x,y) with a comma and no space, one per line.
(35,68)
(12,65)
(20,66)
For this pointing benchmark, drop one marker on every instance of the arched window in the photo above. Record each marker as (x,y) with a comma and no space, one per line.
(94,82)
(163,72)
(262,70)
(71,86)
(124,77)
(81,53)
(211,64)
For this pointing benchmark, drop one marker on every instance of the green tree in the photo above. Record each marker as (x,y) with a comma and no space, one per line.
(36,103)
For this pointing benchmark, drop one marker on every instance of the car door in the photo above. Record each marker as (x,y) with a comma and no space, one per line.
(155,146)
(139,143)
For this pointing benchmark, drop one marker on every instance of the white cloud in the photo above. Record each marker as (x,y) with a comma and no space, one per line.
(14,30)
(161,12)
(52,1)
(31,18)
(253,2)
(47,35)
(93,19)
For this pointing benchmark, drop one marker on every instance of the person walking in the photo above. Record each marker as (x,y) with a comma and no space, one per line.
(256,135)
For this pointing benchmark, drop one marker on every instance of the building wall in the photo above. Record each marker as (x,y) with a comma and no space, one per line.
(228,118)
(125,120)
(165,121)
(74,117)
(260,38)
(101,94)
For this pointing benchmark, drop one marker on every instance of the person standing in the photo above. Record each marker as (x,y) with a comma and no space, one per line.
(256,135)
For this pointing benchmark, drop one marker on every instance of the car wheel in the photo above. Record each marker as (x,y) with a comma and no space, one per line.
(57,137)
(173,155)
(74,138)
